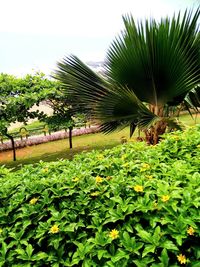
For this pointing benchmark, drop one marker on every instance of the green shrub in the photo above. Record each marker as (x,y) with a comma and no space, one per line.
(133,205)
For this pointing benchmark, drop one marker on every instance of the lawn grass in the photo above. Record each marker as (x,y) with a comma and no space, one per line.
(56,150)
(186,119)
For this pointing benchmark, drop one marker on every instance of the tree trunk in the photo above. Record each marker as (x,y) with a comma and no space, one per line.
(152,134)
(70,137)
(13,145)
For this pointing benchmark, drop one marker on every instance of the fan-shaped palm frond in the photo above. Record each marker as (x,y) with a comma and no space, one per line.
(158,61)
(192,99)
(113,105)
(150,67)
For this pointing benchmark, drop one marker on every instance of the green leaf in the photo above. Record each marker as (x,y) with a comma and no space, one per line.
(3,250)
(164,258)
(195,264)
(179,239)
(20,251)
(88,263)
(39,256)
(143,262)
(112,249)
(145,236)
(130,243)
(29,250)
(169,245)
(101,253)
(119,255)
(156,236)
(75,260)
(148,249)
(70,227)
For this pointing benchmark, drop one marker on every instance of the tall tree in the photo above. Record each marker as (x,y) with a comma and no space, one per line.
(17,96)
(150,68)
(66,113)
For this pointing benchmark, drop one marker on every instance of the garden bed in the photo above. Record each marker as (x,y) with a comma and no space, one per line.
(133,205)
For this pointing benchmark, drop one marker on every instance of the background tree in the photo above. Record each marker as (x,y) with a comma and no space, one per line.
(66,113)
(150,68)
(17,97)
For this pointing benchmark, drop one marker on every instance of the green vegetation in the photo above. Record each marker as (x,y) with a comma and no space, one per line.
(151,67)
(132,205)
(18,96)
(188,120)
(66,114)
(55,150)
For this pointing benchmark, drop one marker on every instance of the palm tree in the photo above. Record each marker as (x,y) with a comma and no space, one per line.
(150,68)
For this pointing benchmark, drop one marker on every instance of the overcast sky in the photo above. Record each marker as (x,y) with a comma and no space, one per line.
(35,34)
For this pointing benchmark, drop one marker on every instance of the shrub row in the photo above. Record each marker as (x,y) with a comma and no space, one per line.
(133,205)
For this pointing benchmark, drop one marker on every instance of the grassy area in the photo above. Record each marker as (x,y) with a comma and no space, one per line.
(188,120)
(59,149)
(53,151)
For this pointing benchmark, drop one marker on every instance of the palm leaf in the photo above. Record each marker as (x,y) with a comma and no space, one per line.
(192,99)
(158,61)
(149,63)
(173,123)
(112,105)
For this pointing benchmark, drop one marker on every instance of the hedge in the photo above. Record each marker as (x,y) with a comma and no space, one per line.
(133,205)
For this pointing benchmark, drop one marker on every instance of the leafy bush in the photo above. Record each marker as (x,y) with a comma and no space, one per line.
(133,205)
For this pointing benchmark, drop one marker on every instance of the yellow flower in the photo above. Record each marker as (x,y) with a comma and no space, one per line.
(190,230)
(123,157)
(99,179)
(175,137)
(155,204)
(182,259)
(100,157)
(54,229)
(114,234)
(149,177)
(33,201)
(144,167)
(138,188)
(45,170)
(165,198)
(76,179)
(125,164)
(94,194)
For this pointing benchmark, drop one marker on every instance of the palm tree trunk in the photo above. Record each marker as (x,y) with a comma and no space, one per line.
(152,134)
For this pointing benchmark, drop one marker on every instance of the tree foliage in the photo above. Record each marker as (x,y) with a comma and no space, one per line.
(18,96)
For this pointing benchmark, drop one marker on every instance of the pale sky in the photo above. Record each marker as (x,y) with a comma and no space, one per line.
(35,34)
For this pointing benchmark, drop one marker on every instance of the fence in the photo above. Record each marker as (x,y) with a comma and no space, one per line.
(25,133)
(36,140)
